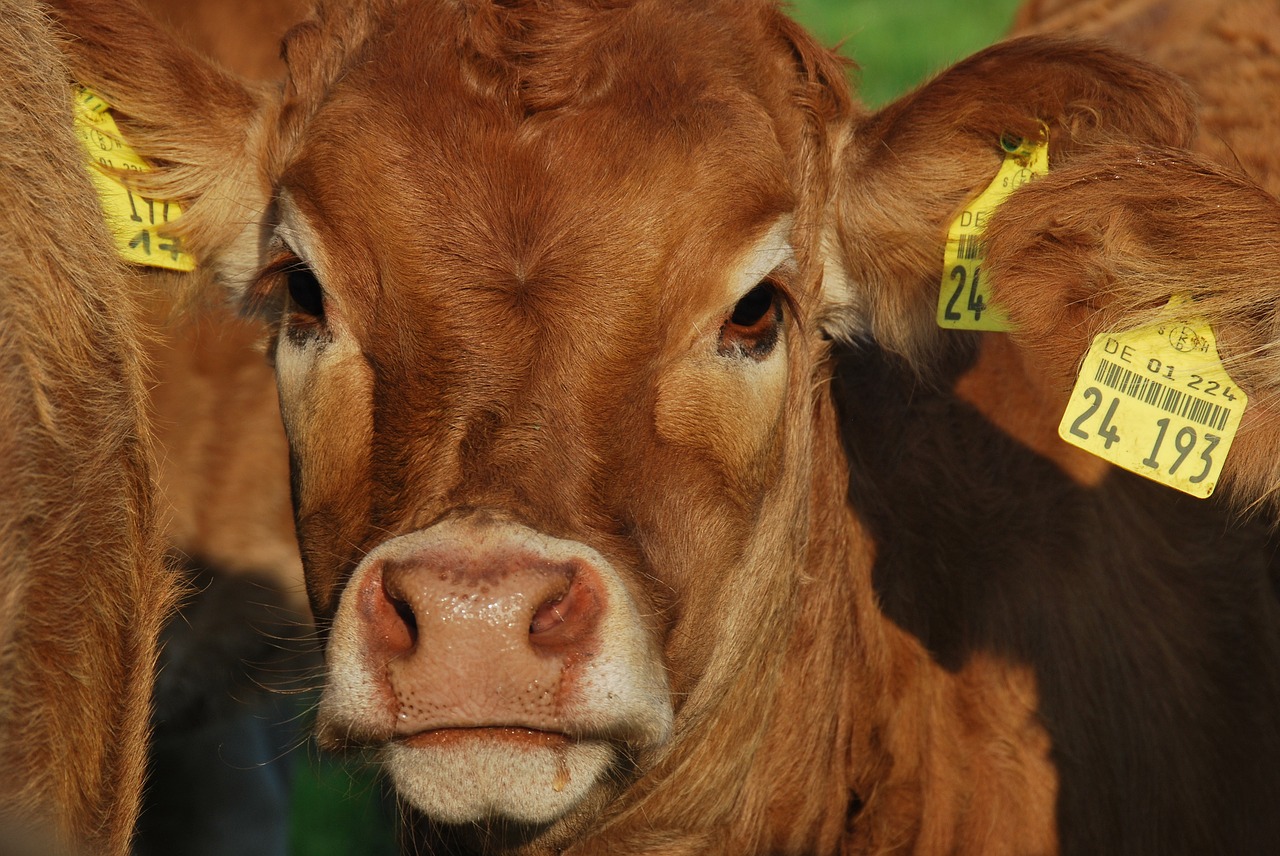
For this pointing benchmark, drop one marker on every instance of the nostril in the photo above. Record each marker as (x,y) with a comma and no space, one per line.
(387,613)
(548,617)
(566,616)
(405,613)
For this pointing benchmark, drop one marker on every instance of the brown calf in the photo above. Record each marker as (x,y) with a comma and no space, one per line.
(616,550)
(82,591)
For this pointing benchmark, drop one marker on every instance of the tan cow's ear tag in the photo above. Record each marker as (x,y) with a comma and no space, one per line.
(1158,402)
(964,300)
(135,220)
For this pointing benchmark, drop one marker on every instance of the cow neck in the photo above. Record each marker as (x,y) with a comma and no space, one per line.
(922,724)
(873,743)
(803,785)
(787,715)
(866,735)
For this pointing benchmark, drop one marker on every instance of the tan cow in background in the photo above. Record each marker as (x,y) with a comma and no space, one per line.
(1227,50)
(82,590)
(1104,245)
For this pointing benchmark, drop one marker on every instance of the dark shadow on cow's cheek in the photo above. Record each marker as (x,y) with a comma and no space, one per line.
(970,565)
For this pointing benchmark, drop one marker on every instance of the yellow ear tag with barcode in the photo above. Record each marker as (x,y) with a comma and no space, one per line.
(1158,402)
(136,221)
(964,300)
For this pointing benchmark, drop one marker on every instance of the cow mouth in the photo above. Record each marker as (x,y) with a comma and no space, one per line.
(516,736)
(497,673)
(477,774)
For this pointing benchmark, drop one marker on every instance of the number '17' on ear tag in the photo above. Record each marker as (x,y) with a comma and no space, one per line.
(1158,402)
(137,222)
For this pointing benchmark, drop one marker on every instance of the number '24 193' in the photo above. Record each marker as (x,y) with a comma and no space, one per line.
(1184,441)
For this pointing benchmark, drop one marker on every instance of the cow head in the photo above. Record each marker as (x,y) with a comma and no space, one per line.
(552,289)
(560,315)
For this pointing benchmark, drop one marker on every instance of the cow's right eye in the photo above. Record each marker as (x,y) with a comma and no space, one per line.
(305,292)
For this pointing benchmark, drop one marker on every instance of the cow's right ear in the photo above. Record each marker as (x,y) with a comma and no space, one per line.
(907,170)
(205,131)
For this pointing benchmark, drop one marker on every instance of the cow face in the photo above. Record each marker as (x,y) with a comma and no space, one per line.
(545,359)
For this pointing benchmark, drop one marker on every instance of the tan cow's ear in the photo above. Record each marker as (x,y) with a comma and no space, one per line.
(203,130)
(907,169)
(1105,242)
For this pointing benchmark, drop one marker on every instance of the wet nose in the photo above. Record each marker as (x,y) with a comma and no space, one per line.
(480,637)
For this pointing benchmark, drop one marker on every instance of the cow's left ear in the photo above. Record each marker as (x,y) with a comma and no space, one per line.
(906,171)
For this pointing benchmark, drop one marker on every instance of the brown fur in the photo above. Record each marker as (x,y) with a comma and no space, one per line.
(243,35)
(522,236)
(82,589)
(1228,51)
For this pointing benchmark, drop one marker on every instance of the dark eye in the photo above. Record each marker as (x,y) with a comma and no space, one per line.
(752,308)
(305,292)
(752,328)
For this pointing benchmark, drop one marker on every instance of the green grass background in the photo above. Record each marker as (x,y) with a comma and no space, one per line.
(896,44)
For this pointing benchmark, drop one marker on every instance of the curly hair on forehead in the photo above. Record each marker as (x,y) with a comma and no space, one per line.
(538,55)
(505,46)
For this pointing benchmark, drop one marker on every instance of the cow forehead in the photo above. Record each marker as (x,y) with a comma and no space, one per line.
(665,61)
(428,166)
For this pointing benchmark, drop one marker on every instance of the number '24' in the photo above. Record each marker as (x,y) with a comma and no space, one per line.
(976,304)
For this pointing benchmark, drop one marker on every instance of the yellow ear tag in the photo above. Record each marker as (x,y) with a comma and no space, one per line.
(964,301)
(1158,402)
(135,220)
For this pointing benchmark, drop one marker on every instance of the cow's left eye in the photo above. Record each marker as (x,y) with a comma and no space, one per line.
(751,330)
(305,292)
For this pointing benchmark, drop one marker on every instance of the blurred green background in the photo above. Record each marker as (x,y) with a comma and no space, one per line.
(896,44)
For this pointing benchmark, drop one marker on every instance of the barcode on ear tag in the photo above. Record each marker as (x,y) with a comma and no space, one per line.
(964,299)
(1158,402)
(136,221)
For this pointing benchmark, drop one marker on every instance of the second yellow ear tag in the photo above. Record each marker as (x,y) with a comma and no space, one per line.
(135,220)
(1158,402)
(964,301)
